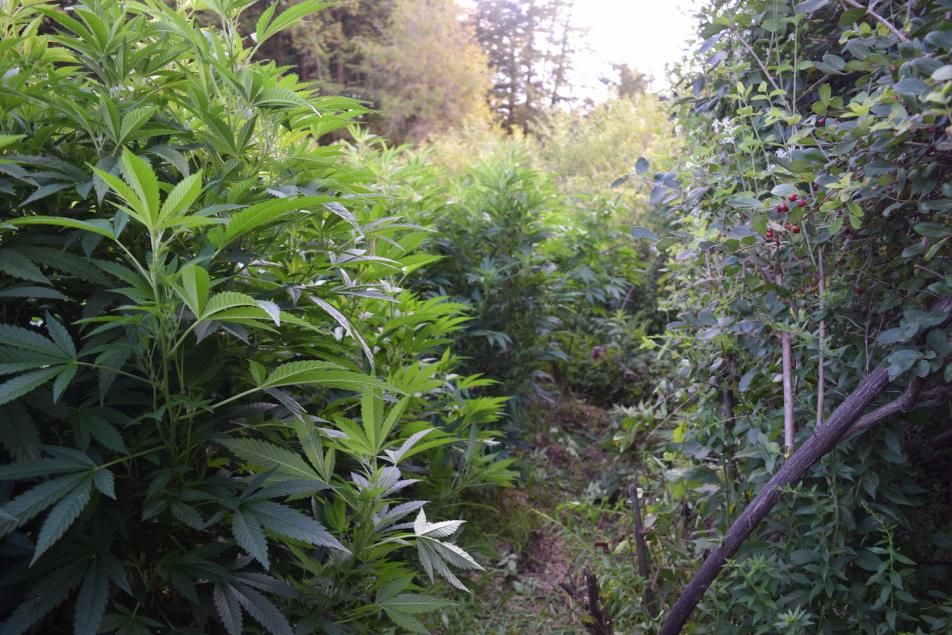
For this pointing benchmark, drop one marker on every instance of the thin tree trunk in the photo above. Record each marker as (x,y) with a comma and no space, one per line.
(815,447)
(837,427)
(821,365)
(641,549)
(601,623)
(787,365)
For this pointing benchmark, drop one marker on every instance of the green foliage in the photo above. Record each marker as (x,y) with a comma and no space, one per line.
(847,111)
(213,381)
(427,74)
(491,243)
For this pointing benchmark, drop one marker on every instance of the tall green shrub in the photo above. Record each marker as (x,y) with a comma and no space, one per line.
(809,246)
(212,381)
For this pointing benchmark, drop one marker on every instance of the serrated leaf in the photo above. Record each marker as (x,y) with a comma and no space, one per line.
(249,535)
(62,516)
(405,621)
(91,600)
(133,120)
(267,212)
(267,28)
(13,263)
(18,337)
(229,611)
(61,221)
(226,300)
(138,173)
(25,383)
(181,197)
(195,285)
(341,319)
(285,521)
(105,482)
(264,612)
(281,461)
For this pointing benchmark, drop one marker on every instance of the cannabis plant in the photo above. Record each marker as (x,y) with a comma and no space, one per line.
(200,435)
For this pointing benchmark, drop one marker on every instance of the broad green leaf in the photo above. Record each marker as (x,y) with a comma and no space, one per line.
(133,120)
(331,378)
(284,521)
(229,611)
(268,28)
(264,612)
(267,212)
(91,600)
(138,173)
(25,383)
(181,198)
(226,300)
(195,285)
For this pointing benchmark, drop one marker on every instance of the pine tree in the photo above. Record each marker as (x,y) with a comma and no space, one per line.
(531,46)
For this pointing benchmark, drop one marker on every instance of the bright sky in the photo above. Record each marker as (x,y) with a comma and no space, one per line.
(645,34)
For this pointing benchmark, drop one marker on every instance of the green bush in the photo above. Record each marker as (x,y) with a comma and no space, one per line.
(215,386)
(490,239)
(812,207)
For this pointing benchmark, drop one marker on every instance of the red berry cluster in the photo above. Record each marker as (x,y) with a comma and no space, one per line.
(783,208)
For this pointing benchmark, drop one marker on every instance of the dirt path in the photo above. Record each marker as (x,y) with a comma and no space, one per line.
(535,559)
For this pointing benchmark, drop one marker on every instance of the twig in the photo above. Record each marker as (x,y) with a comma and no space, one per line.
(902,403)
(906,400)
(886,23)
(821,370)
(759,63)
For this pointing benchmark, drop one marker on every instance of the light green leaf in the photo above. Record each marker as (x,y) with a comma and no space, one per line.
(267,28)
(133,120)
(181,198)
(195,285)
(139,175)
(226,300)
(267,212)
(61,221)
(331,376)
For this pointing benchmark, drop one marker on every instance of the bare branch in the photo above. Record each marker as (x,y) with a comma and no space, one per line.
(821,370)
(902,403)
(825,439)
(641,549)
(753,54)
(869,11)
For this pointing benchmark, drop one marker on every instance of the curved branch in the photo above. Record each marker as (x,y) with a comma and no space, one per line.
(886,23)
(822,441)
(902,403)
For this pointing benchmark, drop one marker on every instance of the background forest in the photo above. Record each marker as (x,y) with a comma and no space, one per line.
(359,317)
